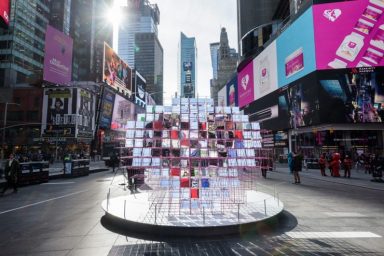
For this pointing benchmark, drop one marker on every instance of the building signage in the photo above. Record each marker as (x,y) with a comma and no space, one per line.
(4,11)
(58,56)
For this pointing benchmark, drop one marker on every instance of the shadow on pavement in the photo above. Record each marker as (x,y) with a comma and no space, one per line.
(278,225)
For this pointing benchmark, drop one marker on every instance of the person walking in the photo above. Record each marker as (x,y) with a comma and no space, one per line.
(290,161)
(322,163)
(11,170)
(297,166)
(347,166)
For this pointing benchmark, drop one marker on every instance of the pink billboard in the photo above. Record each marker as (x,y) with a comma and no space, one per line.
(58,56)
(349,34)
(245,83)
(4,11)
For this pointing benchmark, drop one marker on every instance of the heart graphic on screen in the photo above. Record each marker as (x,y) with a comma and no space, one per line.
(244,81)
(332,15)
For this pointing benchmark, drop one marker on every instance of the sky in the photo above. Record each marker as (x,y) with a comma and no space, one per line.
(202,19)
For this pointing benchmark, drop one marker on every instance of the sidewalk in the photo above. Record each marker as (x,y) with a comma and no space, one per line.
(358,177)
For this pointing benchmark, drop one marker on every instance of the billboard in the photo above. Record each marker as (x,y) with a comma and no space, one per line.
(265,71)
(140,87)
(351,96)
(85,110)
(245,83)
(107,109)
(123,111)
(4,11)
(232,94)
(116,73)
(222,97)
(58,56)
(349,34)
(58,118)
(296,50)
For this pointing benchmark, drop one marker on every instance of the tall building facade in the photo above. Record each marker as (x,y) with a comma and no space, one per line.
(214,49)
(311,95)
(22,42)
(187,66)
(60,15)
(226,65)
(139,17)
(149,63)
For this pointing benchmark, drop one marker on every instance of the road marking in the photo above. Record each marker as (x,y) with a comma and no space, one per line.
(58,183)
(344,214)
(332,235)
(41,202)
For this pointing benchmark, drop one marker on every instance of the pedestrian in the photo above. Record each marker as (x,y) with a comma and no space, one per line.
(11,170)
(335,165)
(322,163)
(290,161)
(114,161)
(297,166)
(347,166)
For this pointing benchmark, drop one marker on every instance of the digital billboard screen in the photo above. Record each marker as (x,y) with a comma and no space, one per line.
(222,97)
(85,111)
(246,90)
(123,111)
(296,50)
(349,34)
(265,71)
(58,119)
(116,72)
(232,92)
(58,56)
(107,109)
(140,87)
(4,11)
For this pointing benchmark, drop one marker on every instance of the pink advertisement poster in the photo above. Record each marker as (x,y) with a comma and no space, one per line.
(349,34)
(58,56)
(246,85)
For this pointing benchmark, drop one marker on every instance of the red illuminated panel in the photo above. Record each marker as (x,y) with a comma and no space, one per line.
(4,11)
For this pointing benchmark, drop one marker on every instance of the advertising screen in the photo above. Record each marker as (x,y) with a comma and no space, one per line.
(232,92)
(140,87)
(85,113)
(4,11)
(58,56)
(123,111)
(296,50)
(351,96)
(107,109)
(246,93)
(116,73)
(349,34)
(222,97)
(265,71)
(58,119)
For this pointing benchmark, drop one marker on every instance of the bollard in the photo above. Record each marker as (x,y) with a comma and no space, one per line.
(155,212)
(125,203)
(265,207)
(203,215)
(238,212)
(278,203)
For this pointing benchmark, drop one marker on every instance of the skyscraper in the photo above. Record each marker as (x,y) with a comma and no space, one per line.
(214,48)
(22,42)
(187,66)
(226,65)
(149,62)
(139,17)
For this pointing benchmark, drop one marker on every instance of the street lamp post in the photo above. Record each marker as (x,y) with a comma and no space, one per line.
(4,127)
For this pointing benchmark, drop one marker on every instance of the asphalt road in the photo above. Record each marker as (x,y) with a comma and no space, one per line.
(323,216)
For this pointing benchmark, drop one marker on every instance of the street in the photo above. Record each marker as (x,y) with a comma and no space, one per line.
(323,216)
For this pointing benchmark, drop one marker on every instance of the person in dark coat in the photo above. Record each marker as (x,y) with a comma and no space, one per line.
(297,166)
(12,168)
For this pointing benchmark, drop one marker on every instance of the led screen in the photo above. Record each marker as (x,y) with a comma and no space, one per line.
(245,83)
(349,34)
(296,50)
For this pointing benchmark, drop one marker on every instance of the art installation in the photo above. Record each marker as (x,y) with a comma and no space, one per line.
(195,165)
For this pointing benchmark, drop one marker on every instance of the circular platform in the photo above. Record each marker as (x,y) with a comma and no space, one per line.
(135,213)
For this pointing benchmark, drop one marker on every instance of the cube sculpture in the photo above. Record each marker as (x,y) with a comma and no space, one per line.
(194,156)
